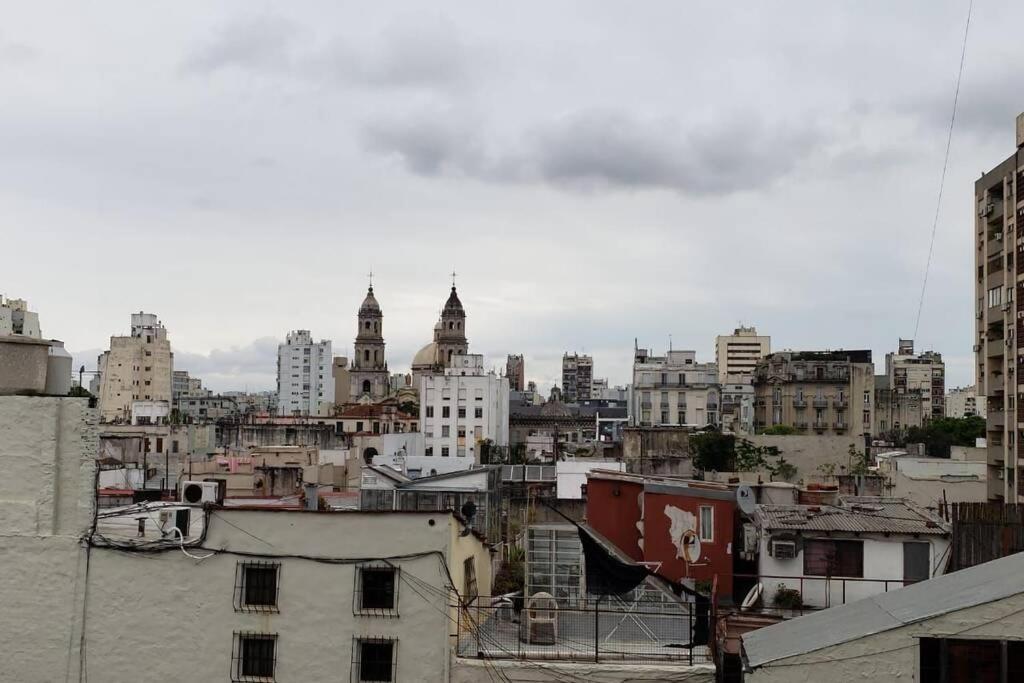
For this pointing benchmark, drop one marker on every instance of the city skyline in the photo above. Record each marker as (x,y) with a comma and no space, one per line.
(582,201)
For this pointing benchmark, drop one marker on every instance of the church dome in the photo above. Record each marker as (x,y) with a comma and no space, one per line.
(555,409)
(369,304)
(425,356)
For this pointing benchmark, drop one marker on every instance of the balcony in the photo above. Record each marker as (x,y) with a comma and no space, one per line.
(996,420)
(995,246)
(995,348)
(820,425)
(839,403)
(840,426)
(645,404)
(801,425)
(799,403)
(821,403)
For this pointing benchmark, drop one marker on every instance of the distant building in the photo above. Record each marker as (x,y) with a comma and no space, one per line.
(924,372)
(673,389)
(515,370)
(824,392)
(577,377)
(179,382)
(895,410)
(206,408)
(16,319)
(369,378)
(964,402)
(259,402)
(304,383)
(737,354)
(342,379)
(462,408)
(138,367)
(999,309)
(449,340)
(738,408)
(600,390)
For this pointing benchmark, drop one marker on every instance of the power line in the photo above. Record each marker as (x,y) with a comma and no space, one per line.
(945,165)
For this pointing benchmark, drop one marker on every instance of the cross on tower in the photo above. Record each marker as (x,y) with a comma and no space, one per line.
(370,276)
(453,279)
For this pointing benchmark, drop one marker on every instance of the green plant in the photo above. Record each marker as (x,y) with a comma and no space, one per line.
(511,578)
(858,460)
(827,468)
(780,430)
(787,598)
(783,470)
(713,451)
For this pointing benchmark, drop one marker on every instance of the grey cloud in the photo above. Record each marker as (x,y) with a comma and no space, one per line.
(14,53)
(603,149)
(988,103)
(256,358)
(424,53)
(257,43)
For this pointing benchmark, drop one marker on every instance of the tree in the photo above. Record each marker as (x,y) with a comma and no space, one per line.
(750,457)
(858,461)
(780,430)
(940,434)
(713,451)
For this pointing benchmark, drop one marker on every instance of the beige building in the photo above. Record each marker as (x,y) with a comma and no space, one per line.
(999,199)
(923,372)
(673,389)
(577,377)
(821,392)
(16,319)
(138,367)
(342,379)
(266,471)
(737,354)
(964,402)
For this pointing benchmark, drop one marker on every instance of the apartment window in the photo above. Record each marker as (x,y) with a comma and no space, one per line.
(953,660)
(469,587)
(478,394)
(462,432)
(478,413)
(359,426)
(254,657)
(664,417)
(256,586)
(148,368)
(707,523)
(374,659)
(446,411)
(444,451)
(376,591)
(159,444)
(428,451)
(834,558)
(430,411)
(446,394)
(446,431)
(995,296)
(462,412)
(174,447)
(460,452)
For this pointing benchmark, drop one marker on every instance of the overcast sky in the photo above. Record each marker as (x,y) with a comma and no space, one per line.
(594,172)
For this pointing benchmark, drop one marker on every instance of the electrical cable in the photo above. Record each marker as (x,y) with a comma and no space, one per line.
(945,166)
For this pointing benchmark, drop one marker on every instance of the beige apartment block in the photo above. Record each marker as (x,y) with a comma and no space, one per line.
(673,389)
(737,354)
(923,372)
(999,323)
(817,392)
(964,402)
(138,367)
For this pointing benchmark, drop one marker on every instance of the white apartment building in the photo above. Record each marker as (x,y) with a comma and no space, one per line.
(673,389)
(925,373)
(737,354)
(461,408)
(577,377)
(138,367)
(964,401)
(16,319)
(305,385)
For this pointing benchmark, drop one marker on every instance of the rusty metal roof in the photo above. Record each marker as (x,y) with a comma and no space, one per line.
(854,514)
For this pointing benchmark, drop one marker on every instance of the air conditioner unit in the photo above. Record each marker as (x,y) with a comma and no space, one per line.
(784,550)
(200,492)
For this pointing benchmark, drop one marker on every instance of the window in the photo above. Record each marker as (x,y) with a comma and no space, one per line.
(834,558)
(159,444)
(444,451)
(430,411)
(445,430)
(462,411)
(256,586)
(469,587)
(446,411)
(174,447)
(462,432)
(376,591)
(374,659)
(428,451)
(916,561)
(254,657)
(950,660)
(478,413)
(707,523)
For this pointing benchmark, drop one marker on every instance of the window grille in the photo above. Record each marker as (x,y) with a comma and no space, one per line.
(254,657)
(376,590)
(374,659)
(256,586)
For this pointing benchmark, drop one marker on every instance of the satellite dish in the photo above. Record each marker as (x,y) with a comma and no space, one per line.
(745,499)
(752,597)
(691,547)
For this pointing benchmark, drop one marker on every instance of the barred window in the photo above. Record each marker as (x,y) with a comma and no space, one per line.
(256,586)
(376,590)
(254,657)
(374,659)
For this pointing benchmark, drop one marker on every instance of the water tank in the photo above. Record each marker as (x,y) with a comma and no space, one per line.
(58,370)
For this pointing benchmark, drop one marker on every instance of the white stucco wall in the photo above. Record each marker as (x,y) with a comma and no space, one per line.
(883,559)
(893,655)
(476,670)
(48,448)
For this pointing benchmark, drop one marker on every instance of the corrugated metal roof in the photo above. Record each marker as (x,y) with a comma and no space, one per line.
(856,514)
(978,585)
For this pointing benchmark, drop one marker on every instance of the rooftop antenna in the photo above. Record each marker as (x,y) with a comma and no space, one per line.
(370,278)
(453,278)
(669,342)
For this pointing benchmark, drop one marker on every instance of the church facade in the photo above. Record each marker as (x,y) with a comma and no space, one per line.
(369,369)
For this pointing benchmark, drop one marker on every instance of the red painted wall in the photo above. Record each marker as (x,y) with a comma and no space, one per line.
(613,510)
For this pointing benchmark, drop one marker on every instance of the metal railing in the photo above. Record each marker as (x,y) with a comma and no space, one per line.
(590,630)
(816,592)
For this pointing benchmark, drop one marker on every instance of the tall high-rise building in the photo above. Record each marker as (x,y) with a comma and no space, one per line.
(368,373)
(577,377)
(999,324)
(515,370)
(738,353)
(908,372)
(138,367)
(304,382)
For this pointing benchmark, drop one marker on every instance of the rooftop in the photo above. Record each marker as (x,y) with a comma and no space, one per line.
(855,514)
(977,585)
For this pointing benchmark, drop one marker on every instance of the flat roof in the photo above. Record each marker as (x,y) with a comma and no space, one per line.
(856,514)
